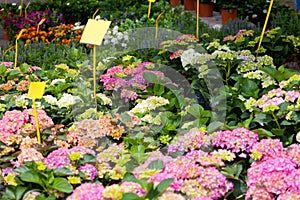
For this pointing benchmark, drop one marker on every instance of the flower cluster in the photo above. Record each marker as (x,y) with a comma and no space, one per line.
(63,157)
(111,161)
(192,179)
(116,191)
(250,67)
(129,79)
(114,37)
(15,22)
(272,100)
(66,101)
(151,103)
(239,140)
(87,191)
(16,122)
(61,34)
(89,130)
(275,172)
(193,139)
(214,158)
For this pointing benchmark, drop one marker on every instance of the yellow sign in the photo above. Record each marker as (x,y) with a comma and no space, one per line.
(94,31)
(36,90)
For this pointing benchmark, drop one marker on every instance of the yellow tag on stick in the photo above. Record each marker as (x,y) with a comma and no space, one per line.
(36,90)
(94,31)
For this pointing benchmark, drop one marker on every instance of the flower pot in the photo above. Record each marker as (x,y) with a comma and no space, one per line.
(228,15)
(205,9)
(5,34)
(188,5)
(175,2)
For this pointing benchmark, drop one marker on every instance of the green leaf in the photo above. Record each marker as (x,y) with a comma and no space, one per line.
(138,149)
(125,117)
(273,73)
(62,185)
(13,74)
(249,88)
(20,192)
(263,133)
(278,48)
(156,164)
(129,177)
(195,110)
(63,172)
(278,131)
(2,70)
(214,126)
(130,196)
(24,67)
(89,158)
(162,186)
(30,176)
(9,193)
(151,77)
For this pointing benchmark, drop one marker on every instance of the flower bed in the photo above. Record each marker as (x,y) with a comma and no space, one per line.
(174,117)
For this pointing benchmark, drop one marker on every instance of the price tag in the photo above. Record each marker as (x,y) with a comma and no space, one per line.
(94,31)
(36,90)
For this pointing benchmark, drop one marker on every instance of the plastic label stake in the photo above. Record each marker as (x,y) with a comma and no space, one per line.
(149,7)
(94,33)
(265,25)
(156,24)
(197,19)
(39,24)
(16,46)
(36,91)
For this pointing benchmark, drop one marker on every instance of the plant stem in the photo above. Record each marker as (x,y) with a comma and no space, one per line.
(276,120)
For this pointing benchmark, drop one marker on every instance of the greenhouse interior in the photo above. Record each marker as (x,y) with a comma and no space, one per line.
(149,100)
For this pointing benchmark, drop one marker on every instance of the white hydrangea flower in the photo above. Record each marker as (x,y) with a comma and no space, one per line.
(22,102)
(67,100)
(106,100)
(149,104)
(268,81)
(56,81)
(50,99)
(250,103)
(298,137)
(152,120)
(115,30)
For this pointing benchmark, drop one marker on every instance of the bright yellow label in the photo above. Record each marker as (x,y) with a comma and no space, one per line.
(151,1)
(36,90)
(94,31)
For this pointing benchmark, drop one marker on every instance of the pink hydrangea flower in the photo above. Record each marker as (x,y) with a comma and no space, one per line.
(238,140)
(87,191)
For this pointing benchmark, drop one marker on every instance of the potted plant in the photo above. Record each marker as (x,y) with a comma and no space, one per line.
(175,2)
(229,10)
(188,4)
(206,7)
